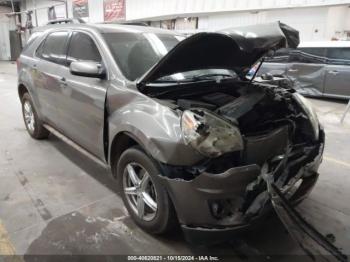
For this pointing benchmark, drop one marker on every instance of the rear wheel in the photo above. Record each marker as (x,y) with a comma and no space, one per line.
(144,196)
(32,122)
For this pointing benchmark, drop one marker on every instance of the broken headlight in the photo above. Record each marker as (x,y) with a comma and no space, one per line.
(208,134)
(310,112)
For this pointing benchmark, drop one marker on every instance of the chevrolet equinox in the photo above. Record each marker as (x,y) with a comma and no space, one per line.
(190,138)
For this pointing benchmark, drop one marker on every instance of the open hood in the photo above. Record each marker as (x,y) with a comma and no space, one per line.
(235,49)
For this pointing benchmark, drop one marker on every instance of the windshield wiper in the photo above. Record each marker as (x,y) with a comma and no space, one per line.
(172,80)
(211,76)
(197,78)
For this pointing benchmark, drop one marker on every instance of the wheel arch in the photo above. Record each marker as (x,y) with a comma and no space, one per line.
(22,89)
(121,142)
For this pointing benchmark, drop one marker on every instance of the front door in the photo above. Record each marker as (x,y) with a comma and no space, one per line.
(337,82)
(307,69)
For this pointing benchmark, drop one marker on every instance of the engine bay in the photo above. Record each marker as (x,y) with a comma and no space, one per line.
(277,137)
(267,116)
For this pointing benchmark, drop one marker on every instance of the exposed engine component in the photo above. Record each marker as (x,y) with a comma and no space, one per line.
(240,106)
(259,149)
(258,121)
(187,103)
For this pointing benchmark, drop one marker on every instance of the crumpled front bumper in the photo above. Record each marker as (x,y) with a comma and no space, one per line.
(194,200)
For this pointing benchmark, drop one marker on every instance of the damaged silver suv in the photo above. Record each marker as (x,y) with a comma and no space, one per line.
(188,136)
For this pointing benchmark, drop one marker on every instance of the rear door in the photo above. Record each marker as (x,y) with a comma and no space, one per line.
(337,82)
(47,73)
(307,69)
(82,99)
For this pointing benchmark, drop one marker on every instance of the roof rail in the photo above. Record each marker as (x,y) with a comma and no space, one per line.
(127,23)
(135,23)
(66,21)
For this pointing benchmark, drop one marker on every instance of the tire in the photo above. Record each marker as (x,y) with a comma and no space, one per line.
(158,221)
(34,126)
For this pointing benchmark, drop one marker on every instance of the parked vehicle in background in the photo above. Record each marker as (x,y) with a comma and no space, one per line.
(316,68)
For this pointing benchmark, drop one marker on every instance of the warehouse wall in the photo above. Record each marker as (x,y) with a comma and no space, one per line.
(322,22)
(95,10)
(311,22)
(314,24)
(41,12)
(141,9)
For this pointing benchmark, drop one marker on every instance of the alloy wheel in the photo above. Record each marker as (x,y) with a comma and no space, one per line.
(140,191)
(29,116)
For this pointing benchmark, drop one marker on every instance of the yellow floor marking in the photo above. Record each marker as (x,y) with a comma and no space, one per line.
(6,247)
(336,161)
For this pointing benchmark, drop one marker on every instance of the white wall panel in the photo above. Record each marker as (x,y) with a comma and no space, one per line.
(315,19)
(41,11)
(221,21)
(314,24)
(95,10)
(155,9)
(311,22)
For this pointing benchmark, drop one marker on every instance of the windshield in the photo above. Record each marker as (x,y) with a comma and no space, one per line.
(136,53)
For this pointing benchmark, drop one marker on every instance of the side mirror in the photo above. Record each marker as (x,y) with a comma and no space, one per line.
(87,69)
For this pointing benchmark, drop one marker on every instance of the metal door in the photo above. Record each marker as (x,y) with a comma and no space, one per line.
(5,51)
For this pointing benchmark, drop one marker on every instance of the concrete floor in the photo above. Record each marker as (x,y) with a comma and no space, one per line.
(53,200)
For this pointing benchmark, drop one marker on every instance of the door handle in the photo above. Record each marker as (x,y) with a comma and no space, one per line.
(63,81)
(293,70)
(333,72)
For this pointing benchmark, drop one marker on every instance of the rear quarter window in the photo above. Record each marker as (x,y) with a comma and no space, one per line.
(31,40)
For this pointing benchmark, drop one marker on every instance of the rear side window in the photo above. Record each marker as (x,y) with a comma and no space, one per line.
(54,48)
(83,48)
(309,55)
(339,55)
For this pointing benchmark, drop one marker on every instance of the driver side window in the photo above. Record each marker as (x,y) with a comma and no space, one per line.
(82,48)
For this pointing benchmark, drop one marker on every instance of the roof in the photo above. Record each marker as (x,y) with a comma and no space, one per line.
(109,28)
(325,44)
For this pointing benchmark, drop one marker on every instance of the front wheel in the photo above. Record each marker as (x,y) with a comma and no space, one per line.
(144,196)
(31,120)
